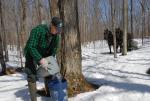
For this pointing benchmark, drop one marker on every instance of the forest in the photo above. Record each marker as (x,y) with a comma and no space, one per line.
(85,21)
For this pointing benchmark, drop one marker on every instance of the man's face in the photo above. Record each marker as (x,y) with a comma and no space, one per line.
(55,30)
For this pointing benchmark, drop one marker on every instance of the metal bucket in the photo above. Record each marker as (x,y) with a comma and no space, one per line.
(53,68)
(58,90)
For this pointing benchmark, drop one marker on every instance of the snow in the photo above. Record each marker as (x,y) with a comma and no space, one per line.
(121,79)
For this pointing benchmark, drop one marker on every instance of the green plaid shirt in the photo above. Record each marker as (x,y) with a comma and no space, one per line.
(41,43)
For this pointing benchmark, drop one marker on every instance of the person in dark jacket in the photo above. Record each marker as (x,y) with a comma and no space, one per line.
(44,41)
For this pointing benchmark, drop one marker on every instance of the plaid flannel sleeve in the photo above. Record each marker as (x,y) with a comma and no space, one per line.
(33,44)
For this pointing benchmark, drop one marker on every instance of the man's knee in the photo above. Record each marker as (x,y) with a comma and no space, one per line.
(31,78)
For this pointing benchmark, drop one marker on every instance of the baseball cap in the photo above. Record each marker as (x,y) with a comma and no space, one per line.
(57,22)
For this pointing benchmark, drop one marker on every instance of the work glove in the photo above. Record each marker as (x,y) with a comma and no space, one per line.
(44,63)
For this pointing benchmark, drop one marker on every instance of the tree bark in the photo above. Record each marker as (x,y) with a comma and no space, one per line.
(149,22)
(23,29)
(143,20)
(131,1)
(3,35)
(23,22)
(113,14)
(54,10)
(38,11)
(125,26)
(71,49)
(2,62)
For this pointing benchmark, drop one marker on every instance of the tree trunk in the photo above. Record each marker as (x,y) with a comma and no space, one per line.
(23,22)
(2,62)
(131,1)
(38,11)
(125,26)
(23,29)
(71,49)
(54,10)
(149,22)
(143,20)
(3,35)
(113,26)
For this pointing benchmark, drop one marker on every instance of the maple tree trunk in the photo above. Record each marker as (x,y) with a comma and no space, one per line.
(2,62)
(3,33)
(125,26)
(71,49)
(113,14)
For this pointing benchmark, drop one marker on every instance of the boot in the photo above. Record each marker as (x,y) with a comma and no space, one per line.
(32,90)
(45,91)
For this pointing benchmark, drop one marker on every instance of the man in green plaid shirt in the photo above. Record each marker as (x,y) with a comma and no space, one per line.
(44,41)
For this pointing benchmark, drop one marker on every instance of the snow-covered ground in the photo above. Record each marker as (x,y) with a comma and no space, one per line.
(122,78)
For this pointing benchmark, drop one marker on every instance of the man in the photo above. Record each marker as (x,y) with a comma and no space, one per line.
(43,42)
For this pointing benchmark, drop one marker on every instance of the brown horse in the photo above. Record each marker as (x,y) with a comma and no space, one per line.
(108,36)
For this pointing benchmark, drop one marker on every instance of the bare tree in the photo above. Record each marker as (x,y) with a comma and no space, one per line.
(71,49)
(16,20)
(23,27)
(113,25)
(131,3)
(142,2)
(2,62)
(83,5)
(149,21)
(3,35)
(96,21)
(38,10)
(23,22)
(125,26)
(54,10)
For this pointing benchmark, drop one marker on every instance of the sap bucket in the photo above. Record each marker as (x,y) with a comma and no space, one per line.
(58,90)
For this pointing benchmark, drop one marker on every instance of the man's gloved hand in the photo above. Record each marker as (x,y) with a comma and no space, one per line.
(44,63)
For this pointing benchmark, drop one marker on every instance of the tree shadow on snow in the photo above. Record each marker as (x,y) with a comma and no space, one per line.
(122,85)
(23,94)
(125,74)
(107,53)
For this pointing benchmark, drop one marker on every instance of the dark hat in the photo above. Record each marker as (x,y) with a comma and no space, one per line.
(57,22)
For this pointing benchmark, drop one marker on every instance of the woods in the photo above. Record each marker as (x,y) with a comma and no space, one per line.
(83,21)
(94,17)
